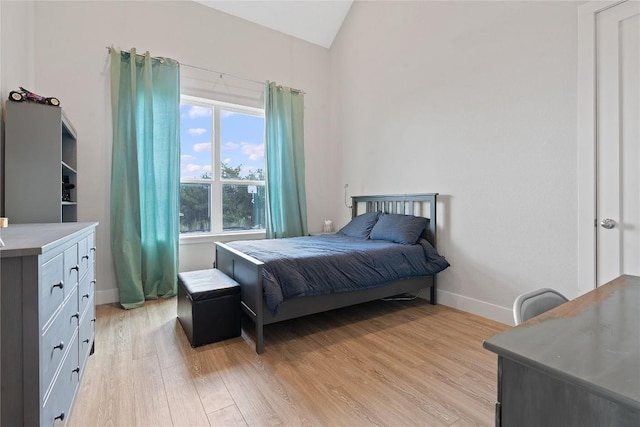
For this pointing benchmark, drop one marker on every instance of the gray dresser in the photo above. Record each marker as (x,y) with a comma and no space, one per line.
(47,319)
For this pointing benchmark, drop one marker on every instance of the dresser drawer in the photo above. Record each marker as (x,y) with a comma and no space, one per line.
(85,290)
(56,339)
(84,259)
(51,287)
(86,334)
(91,244)
(58,402)
(71,267)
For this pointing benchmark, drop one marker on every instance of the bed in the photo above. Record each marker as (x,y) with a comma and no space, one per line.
(259,266)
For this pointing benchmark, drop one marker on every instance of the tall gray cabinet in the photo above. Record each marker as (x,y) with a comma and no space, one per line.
(40,156)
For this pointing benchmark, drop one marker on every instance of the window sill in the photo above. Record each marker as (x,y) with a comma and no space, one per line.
(200,238)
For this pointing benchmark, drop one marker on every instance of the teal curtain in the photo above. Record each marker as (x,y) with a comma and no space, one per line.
(284,147)
(145,175)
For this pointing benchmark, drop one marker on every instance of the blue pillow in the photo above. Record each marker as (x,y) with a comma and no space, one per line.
(405,229)
(360,226)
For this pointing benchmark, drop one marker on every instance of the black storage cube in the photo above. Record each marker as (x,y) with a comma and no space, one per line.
(208,306)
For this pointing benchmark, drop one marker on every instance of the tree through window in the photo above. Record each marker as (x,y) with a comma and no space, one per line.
(222,167)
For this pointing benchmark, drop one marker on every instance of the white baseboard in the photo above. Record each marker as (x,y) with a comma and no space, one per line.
(474,306)
(108,296)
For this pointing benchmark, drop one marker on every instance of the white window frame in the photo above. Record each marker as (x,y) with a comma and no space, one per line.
(216,182)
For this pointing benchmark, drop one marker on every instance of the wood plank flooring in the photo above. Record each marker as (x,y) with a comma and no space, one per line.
(394,363)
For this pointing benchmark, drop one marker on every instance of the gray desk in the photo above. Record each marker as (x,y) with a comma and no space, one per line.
(575,365)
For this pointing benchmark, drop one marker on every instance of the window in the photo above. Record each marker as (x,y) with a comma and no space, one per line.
(221,167)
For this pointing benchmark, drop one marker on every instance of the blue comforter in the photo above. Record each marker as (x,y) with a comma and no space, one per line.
(302,266)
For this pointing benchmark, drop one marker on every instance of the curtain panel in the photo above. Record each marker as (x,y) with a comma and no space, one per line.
(145,175)
(284,147)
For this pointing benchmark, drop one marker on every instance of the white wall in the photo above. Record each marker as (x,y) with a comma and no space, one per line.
(16,59)
(476,101)
(71,63)
(18,47)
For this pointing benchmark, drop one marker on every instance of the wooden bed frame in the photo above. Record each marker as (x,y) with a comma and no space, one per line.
(247,271)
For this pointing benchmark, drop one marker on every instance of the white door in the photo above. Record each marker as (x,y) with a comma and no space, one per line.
(618,141)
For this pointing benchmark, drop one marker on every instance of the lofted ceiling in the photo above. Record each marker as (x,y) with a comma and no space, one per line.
(316,21)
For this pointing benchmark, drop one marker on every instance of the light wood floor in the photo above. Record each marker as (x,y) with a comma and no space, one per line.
(382,363)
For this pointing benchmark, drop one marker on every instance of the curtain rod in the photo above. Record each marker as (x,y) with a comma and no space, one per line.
(222,74)
(218,72)
(203,69)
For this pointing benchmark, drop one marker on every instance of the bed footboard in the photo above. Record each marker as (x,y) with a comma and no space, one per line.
(247,271)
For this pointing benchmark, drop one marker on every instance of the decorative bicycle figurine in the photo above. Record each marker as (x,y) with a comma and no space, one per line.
(26,95)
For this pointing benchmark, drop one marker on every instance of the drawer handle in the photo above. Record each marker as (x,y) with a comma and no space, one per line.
(85,296)
(85,256)
(93,320)
(93,249)
(58,285)
(93,282)
(76,268)
(59,346)
(60,417)
(77,316)
(77,370)
(86,341)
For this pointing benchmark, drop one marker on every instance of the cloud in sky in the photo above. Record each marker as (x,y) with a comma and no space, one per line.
(186,157)
(192,168)
(197,131)
(230,145)
(253,151)
(196,111)
(202,146)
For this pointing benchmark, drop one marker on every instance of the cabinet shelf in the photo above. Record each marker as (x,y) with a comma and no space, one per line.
(68,169)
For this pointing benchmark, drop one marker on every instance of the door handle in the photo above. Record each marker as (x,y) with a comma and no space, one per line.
(607,223)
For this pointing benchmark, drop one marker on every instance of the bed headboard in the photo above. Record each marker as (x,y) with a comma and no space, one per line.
(423,205)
